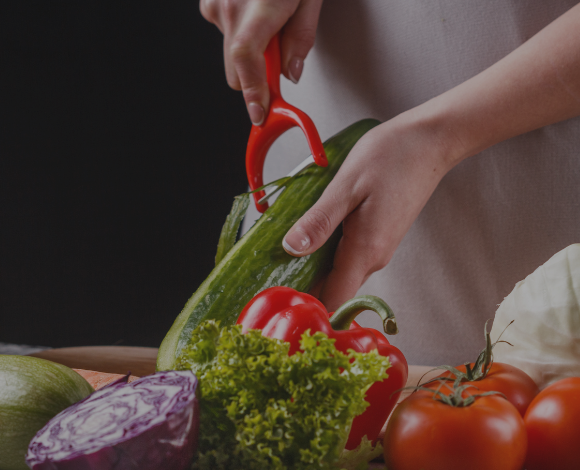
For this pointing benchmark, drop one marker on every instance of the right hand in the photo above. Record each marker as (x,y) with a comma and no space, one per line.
(248,26)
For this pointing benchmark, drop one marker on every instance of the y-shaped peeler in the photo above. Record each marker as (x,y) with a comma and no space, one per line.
(281,117)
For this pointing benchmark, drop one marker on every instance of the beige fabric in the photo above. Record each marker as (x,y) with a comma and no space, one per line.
(496,216)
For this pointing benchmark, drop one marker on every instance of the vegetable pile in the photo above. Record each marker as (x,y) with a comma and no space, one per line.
(151,423)
(471,416)
(284,313)
(263,408)
(32,391)
(291,386)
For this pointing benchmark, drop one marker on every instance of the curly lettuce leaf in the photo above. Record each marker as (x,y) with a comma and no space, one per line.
(359,458)
(262,408)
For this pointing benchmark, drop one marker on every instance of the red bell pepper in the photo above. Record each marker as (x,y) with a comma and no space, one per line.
(284,313)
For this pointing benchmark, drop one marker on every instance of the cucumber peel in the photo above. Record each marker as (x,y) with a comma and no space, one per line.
(231,227)
(258,261)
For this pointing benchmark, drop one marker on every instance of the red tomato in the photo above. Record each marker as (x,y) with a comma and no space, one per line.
(553,426)
(425,434)
(517,386)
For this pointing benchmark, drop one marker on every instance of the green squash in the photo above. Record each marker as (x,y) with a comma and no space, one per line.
(32,391)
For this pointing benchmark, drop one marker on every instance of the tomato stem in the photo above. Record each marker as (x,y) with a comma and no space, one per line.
(479,369)
(455,398)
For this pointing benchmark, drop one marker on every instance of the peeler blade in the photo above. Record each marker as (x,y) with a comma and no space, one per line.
(308,162)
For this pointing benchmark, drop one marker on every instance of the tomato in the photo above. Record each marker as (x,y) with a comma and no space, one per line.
(424,433)
(517,386)
(553,427)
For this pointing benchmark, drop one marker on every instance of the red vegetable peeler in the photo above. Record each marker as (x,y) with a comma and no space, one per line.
(281,117)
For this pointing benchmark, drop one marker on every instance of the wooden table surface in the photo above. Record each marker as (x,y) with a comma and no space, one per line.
(112,359)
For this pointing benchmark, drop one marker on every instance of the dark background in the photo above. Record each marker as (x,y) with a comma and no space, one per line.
(121,150)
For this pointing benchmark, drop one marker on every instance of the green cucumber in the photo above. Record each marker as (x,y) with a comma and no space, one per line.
(32,392)
(258,261)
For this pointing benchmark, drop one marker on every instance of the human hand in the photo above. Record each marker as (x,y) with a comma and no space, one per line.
(378,192)
(248,26)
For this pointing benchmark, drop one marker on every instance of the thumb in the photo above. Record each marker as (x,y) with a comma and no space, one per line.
(317,225)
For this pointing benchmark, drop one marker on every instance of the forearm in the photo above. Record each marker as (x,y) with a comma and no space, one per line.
(536,85)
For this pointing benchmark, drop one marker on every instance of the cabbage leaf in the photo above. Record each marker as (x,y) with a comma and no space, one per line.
(544,339)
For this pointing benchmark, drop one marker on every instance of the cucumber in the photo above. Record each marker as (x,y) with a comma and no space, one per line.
(258,261)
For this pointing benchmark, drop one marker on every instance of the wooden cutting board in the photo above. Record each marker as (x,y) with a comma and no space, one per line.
(141,361)
(112,359)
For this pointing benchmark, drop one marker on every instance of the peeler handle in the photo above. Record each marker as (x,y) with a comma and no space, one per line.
(281,117)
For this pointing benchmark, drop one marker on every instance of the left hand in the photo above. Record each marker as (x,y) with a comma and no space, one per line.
(378,192)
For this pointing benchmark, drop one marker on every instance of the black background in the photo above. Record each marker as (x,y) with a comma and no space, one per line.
(121,150)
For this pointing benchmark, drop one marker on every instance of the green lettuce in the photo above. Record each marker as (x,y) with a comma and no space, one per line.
(358,459)
(261,408)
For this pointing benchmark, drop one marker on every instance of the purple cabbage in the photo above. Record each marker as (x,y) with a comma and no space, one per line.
(151,423)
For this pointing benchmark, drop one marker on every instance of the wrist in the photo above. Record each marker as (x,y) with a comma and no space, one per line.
(435,126)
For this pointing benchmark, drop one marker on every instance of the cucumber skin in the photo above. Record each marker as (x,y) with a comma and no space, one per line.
(258,261)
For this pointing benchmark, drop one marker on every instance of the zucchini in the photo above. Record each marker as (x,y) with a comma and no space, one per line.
(258,261)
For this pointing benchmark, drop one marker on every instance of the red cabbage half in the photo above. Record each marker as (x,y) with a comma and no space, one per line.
(151,423)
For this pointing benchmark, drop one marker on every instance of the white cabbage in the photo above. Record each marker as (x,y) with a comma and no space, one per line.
(546,331)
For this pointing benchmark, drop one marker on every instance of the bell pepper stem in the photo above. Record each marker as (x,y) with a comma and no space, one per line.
(347,312)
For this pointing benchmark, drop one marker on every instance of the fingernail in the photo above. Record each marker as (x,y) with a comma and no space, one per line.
(296,242)
(295,69)
(256,113)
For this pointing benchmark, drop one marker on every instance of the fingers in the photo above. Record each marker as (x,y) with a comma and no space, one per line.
(344,280)
(346,191)
(210,10)
(298,38)
(317,224)
(360,252)
(317,288)
(246,35)
(248,26)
